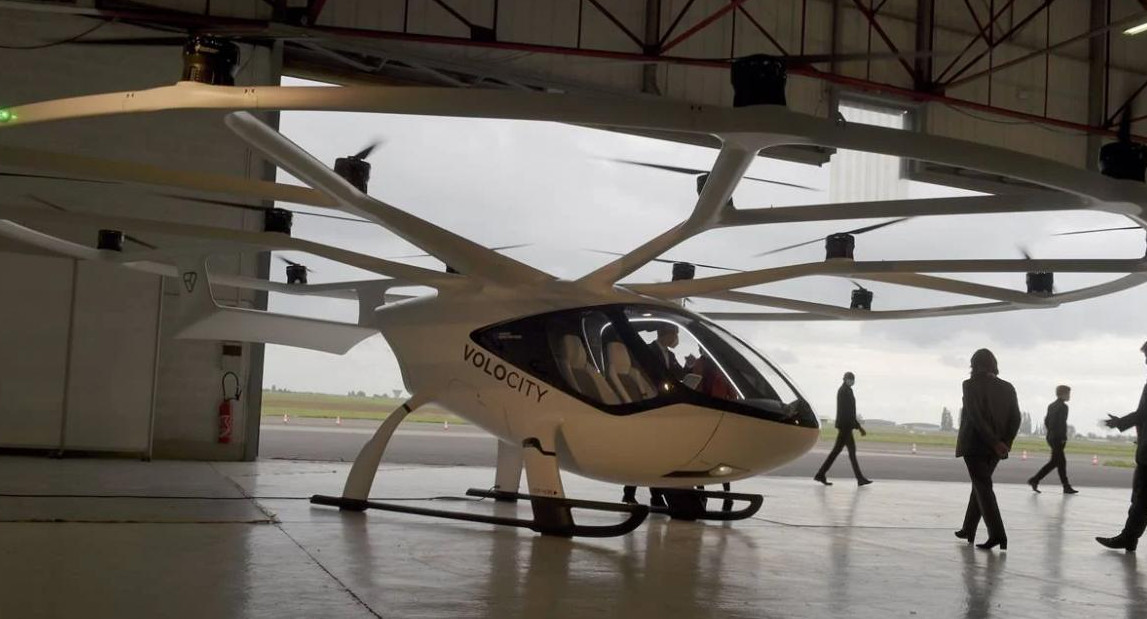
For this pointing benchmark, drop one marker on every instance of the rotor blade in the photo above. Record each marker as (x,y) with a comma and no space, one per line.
(1098,230)
(499,248)
(787,247)
(817,240)
(695,171)
(134,41)
(671,261)
(1024,251)
(295,264)
(55,178)
(57,207)
(878,226)
(364,153)
(856,56)
(254,207)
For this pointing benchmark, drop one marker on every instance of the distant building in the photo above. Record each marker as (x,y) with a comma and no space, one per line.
(883,423)
(922,427)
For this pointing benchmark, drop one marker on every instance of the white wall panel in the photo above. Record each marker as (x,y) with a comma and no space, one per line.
(110,380)
(109,388)
(34,319)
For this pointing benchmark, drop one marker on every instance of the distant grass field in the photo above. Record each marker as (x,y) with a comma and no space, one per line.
(329,406)
(1033,444)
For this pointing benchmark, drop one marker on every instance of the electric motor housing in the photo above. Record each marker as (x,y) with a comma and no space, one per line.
(209,60)
(759,80)
(839,245)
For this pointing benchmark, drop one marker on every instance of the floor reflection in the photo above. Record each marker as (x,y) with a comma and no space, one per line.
(980,580)
(664,569)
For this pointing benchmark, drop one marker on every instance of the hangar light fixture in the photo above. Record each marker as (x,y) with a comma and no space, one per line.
(1136,29)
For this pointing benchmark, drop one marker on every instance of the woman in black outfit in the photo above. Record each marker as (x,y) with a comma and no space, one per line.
(989,422)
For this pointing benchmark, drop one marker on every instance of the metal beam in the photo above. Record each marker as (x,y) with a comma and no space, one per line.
(925,26)
(1096,80)
(704,23)
(617,22)
(983,35)
(762,30)
(673,26)
(1007,35)
(875,25)
(1090,34)
(652,45)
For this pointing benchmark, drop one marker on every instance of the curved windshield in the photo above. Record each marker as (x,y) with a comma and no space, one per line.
(627,358)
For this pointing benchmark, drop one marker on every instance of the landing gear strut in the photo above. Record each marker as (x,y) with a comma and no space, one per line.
(552,510)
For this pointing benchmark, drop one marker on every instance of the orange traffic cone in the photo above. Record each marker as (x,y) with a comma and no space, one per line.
(1024,455)
(285,419)
(1094,460)
(913,448)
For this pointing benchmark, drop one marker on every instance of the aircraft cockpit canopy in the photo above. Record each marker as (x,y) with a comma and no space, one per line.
(626,359)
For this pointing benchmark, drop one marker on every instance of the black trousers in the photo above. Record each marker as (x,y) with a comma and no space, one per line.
(1137,515)
(1058,461)
(629,494)
(982,501)
(843,439)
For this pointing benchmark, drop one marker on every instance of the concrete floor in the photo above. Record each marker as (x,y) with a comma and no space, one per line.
(171,539)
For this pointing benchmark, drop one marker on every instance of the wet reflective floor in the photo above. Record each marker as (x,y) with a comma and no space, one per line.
(98,538)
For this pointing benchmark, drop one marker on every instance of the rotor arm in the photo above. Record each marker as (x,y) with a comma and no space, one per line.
(732,163)
(460,253)
(977,205)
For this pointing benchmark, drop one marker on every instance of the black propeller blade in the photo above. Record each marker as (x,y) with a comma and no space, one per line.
(861,230)
(295,264)
(255,207)
(1097,230)
(499,248)
(669,261)
(801,60)
(127,237)
(695,172)
(55,178)
(364,153)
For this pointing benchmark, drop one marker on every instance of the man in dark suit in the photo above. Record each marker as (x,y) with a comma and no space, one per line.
(845,423)
(989,422)
(662,348)
(1056,426)
(1128,539)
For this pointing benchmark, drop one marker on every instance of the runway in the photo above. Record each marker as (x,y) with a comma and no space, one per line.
(119,538)
(465,445)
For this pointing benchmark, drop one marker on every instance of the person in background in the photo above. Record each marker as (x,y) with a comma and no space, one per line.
(1128,539)
(845,423)
(1056,425)
(989,422)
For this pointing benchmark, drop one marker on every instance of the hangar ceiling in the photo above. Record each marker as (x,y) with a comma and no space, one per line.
(1044,76)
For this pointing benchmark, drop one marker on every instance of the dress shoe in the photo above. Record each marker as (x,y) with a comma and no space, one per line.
(1034,484)
(964,535)
(992,543)
(1119,542)
(822,479)
(1070,490)
(864,481)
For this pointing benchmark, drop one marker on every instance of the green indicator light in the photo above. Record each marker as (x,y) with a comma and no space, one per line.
(6,115)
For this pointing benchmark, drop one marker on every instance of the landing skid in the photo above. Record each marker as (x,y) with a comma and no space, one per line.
(552,515)
(688,504)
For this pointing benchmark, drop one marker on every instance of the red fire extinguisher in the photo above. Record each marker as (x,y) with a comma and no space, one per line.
(225,416)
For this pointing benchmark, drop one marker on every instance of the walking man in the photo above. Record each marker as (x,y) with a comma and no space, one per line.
(1056,425)
(845,423)
(1128,539)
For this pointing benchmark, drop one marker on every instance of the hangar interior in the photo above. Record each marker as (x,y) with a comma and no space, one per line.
(90,367)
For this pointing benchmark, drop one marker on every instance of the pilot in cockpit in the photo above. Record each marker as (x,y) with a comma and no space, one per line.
(667,339)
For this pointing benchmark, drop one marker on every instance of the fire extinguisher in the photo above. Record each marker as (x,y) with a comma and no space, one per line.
(225,415)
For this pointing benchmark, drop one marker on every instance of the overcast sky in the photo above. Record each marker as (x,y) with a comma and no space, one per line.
(551,185)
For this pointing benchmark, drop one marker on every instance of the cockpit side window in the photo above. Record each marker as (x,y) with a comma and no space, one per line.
(555,349)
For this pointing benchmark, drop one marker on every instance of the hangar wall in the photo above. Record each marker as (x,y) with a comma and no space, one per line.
(88,361)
